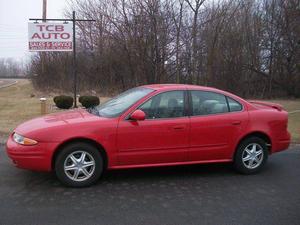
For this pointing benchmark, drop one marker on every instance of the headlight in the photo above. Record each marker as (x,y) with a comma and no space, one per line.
(23,140)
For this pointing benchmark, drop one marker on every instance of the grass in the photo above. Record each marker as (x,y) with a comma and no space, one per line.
(292,106)
(17,106)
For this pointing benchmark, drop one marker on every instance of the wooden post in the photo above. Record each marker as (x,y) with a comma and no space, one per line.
(44,10)
(43,54)
(43,106)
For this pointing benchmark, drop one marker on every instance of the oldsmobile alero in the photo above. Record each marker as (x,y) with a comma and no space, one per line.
(152,125)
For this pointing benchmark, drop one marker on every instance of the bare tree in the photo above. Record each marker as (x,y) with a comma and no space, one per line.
(249,47)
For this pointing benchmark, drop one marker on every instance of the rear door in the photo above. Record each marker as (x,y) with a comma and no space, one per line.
(163,137)
(216,123)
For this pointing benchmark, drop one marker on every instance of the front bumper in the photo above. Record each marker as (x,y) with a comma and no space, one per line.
(36,157)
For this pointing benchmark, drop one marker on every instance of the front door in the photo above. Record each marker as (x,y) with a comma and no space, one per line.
(163,137)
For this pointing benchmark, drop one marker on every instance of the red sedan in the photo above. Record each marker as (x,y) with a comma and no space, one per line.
(152,125)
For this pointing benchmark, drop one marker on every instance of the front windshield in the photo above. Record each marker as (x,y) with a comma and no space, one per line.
(122,102)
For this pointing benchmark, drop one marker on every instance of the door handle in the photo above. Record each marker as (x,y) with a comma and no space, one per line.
(178,127)
(237,122)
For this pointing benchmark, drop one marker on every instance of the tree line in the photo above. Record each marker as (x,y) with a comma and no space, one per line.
(248,47)
(10,67)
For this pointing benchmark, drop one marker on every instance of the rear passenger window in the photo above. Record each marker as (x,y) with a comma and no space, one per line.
(234,106)
(205,103)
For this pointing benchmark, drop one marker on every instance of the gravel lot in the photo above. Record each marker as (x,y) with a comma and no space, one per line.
(201,194)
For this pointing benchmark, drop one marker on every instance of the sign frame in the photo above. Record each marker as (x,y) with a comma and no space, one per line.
(48,37)
(73,20)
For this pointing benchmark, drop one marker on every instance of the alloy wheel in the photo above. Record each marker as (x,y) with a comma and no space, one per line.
(79,166)
(252,156)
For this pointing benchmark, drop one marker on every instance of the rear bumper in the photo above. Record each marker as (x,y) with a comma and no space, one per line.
(282,144)
(37,157)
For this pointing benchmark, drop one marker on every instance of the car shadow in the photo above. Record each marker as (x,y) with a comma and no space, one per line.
(154,174)
(140,175)
(170,172)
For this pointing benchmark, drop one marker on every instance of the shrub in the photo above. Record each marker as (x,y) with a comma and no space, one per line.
(63,101)
(89,101)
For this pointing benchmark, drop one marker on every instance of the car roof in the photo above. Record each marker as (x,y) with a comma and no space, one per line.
(170,87)
(179,86)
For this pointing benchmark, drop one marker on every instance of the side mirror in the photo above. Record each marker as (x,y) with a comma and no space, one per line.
(138,115)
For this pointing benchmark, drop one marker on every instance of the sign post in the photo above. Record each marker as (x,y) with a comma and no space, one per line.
(56,37)
(74,62)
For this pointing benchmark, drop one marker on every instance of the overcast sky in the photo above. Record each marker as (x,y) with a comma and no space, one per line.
(14,15)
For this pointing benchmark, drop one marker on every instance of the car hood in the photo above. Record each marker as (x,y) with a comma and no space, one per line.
(69,117)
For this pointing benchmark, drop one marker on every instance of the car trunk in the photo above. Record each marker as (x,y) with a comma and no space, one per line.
(266,105)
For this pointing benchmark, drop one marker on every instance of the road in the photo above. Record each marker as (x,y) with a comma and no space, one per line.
(7,82)
(201,194)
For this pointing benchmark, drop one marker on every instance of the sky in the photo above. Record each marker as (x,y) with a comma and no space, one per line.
(14,18)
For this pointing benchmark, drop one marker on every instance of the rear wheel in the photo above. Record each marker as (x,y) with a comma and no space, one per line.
(79,165)
(251,155)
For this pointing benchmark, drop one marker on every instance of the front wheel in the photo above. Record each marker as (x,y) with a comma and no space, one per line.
(251,155)
(79,165)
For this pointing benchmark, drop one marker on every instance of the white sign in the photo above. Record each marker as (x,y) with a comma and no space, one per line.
(50,37)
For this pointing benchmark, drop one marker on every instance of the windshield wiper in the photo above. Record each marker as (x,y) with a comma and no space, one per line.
(93,111)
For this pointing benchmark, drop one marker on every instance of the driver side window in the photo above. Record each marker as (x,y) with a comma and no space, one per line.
(165,105)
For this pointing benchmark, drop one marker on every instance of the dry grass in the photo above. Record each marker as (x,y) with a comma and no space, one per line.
(292,106)
(17,106)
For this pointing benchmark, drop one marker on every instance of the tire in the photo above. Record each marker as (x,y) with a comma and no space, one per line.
(251,155)
(79,165)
